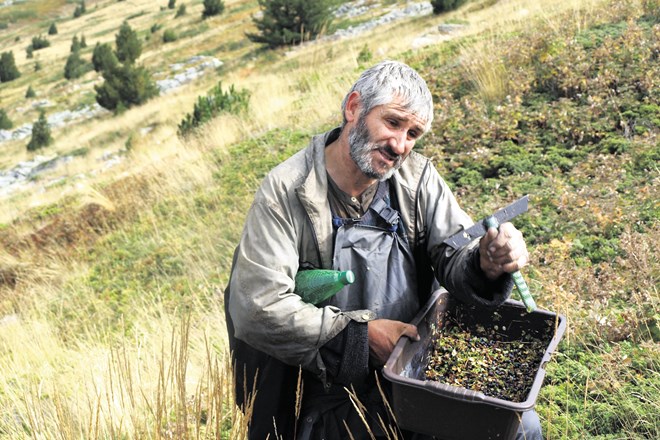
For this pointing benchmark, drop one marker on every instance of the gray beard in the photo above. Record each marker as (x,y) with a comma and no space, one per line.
(361,147)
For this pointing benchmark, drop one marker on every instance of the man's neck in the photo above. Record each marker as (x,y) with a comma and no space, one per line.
(343,170)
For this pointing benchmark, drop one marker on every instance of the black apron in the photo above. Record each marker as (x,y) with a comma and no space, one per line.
(375,248)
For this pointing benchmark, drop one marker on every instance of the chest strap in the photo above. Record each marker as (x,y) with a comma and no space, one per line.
(380,213)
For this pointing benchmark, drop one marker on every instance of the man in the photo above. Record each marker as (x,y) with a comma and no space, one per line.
(356,198)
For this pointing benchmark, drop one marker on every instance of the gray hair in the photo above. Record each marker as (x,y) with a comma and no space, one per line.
(388,80)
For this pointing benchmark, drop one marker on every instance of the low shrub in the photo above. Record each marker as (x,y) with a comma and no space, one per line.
(41,136)
(169,35)
(217,101)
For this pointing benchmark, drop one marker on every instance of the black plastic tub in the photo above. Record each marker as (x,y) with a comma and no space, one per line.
(452,413)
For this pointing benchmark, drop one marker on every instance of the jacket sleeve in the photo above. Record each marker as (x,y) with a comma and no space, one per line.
(265,311)
(457,270)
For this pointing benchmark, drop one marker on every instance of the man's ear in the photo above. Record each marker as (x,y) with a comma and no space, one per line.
(353,107)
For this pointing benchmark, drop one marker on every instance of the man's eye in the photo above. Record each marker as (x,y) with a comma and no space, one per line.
(413,134)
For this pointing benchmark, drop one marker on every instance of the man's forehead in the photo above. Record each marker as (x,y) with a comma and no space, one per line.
(402,113)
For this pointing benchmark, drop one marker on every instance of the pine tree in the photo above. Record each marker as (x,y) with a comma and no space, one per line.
(80,9)
(288,22)
(129,46)
(440,6)
(39,42)
(125,86)
(171,4)
(40,133)
(30,92)
(5,122)
(52,30)
(8,70)
(75,44)
(103,58)
(75,66)
(213,7)
(83,42)
(181,11)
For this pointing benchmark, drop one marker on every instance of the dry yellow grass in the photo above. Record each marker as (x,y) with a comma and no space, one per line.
(94,385)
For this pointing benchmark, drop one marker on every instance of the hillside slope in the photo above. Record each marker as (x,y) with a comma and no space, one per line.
(111,322)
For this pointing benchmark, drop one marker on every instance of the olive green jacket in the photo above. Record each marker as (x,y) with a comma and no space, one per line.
(290,225)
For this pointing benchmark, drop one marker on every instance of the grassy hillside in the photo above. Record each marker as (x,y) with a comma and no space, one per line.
(111,323)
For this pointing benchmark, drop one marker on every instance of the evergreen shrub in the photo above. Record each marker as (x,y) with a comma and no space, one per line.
(75,66)
(8,69)
(169,35)
(288,22)
(5,122)
(39,42)
(125,86)
(128,44)
(217,101)
(40,134)
(181,11)
(213,7)
(103,57)
(440,6)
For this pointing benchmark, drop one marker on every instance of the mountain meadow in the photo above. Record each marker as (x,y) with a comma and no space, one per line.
(116,248)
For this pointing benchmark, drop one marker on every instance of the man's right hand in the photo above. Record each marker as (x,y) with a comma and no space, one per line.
(383,336)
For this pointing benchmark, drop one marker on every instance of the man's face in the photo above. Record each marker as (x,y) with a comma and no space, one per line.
(380,141)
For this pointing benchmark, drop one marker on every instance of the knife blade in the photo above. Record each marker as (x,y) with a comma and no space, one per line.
(464,237)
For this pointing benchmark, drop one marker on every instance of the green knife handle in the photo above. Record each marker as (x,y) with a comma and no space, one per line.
(518,280)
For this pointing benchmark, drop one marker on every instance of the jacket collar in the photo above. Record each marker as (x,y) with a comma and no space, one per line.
(313,194)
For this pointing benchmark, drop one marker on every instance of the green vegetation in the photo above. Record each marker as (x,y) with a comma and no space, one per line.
(214,103)
(171,4)
(29,93)
(80,9)
(75,44)
(104,58)
(212,8)
(125,86)
(440,6)
(52,30)
(181,11)
(41,136)
(169,35)
(574,125)
(39,42)
(8,69)
(288,22)
(75,66)
(129,47)
(5,122)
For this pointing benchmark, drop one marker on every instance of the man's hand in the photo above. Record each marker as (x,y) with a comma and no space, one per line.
(383,336)
(502,251)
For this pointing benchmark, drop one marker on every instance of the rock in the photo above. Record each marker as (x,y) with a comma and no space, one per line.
(55,120)
(195,67)
(355,9)
(450,28)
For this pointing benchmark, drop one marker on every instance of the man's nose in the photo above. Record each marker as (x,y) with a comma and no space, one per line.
(398,142)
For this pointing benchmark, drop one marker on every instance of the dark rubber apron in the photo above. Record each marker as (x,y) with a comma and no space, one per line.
(375,248)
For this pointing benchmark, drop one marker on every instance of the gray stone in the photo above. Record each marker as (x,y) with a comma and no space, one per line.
(195,67)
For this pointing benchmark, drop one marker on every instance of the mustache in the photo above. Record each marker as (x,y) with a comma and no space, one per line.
(389,152)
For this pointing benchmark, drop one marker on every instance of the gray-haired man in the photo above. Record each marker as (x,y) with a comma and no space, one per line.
(356,198)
